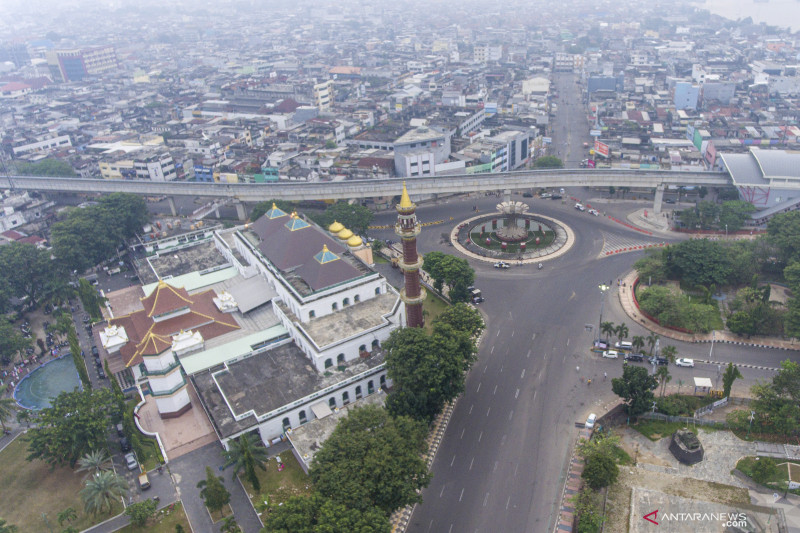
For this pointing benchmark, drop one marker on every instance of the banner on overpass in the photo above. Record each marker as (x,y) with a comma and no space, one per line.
(595,133)
(601,149)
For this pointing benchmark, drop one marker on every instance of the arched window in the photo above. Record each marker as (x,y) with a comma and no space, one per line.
(345,302)
(286,424)
(362,348)
(383,380)
(375,344)
(340,358)
(356,298)
(370,387)
(345,398)
(303,418)
(311,314)
(334,306)
(358,392)
(328,362)
(332,403)
(377,290)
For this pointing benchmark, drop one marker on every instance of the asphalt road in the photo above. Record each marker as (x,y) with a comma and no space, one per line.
(570,128)
(502,462)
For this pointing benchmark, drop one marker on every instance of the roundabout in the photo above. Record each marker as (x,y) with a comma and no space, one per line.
(512,234)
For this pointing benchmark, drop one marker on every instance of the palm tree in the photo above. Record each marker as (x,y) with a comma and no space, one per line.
(94,462)
(7,528)
(663,375)
(24,416)
(607,328)
(246,455)
(621,331)
(669,352)
(680,384)
(8,406)
(67,515)
(652,339)
(638,343)
(101,491)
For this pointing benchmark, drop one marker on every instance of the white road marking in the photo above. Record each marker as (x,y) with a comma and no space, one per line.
(471,463)
(495,466)
(534,395)
(529,353)
(485,499)
(492,350)
(567,342)
(470,408)
(488,411)
(479,387)
(498,333)
(516,394)
(507,502)
(485,368)
(523,373)
(479,436)
(451,525)
(495,390)
(440,494)
(510,415)
(512,332)
(462,432)
(453,460)
(459,499)
(534,337)
(515,469)
(430,525)
(501,368)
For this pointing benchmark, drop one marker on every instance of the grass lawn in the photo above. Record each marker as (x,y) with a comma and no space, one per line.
(716,319)
(546,238)
(656,430)
(165,522)
(776,481)
(278,487)
(27,490)
(432,307)
(220,515)
(378,258)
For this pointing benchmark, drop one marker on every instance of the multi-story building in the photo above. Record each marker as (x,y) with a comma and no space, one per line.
(78,63)
(42,144)
(417,152)
(686,95)
(15,53)
(155,167)
(323,94)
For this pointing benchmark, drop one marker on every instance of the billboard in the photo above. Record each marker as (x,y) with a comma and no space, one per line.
(601,149)
(595,133)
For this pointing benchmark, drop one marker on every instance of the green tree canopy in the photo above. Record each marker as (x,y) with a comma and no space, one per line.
(652,267)
(777,403)
(46,167)
(102,491)
(75,425)
(213,491)
(26,270)
(11,341)
(636,388)
(428,370)
(698,262)
(548,161)
(355,217)
(783,231)
(317,514)
(141,512)
(246,454)
(452,271)
(730,375)
(600,471)
(372,460)
(463,318)
(734,213)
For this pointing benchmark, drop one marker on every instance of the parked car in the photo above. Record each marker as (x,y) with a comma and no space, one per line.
(685,362)
(590,421)
(502,264)
(593,212)
(144,482)
(635,357)
(545,195)
(579,207)
(124,444)
(610,354)
(661,361)
(527,195)
(478,299)
(131,462)
(94,350)
(669,201)
(556,197)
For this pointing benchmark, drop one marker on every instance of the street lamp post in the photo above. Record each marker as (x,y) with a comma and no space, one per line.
(603,288)
(726,232)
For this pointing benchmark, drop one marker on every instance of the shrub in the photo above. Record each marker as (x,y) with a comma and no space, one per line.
(600,471)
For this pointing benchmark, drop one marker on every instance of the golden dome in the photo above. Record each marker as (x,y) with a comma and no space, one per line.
(345,234)
(354,241)
(336,227)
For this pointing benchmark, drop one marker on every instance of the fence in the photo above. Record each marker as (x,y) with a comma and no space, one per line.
(685,420)
(710,407)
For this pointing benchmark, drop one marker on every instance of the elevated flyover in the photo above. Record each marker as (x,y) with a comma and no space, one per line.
(342,190)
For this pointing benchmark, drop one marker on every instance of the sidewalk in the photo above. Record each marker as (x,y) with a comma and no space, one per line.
(625,294)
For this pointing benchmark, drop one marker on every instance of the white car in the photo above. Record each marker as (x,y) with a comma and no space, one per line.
(610,354)
(580,207)
(684,362)
(131,462)
(593,212)
(545,195)
(501,264)
(590,421)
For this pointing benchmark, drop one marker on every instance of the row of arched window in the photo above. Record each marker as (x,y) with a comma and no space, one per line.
(340,358)
(287,424)
(345,303)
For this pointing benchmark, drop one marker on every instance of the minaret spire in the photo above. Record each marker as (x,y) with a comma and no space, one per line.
(407,228)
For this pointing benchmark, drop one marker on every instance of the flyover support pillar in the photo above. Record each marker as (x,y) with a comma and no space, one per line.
(241,212)
(507,195)
(171,202)
(216,209)
(659,197)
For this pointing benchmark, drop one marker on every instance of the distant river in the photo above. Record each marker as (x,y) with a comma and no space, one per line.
(781,13)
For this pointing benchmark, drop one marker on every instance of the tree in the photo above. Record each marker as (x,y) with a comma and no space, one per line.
(5,527)
(94,462)
(8,406)
(46,167)
(730,375)
(652,267)
(463,318)
(74,425)
(600,471)
(636,388)
(742,323)
(451,271)
(27,269)
(355,217)
(548,161)
(669,353)
(783,231)
(67,515)
(77,358)
(372,460)
(590,516)
(637,341)
(607,328)
(734,213)
(776,402)
(179,528)
(262,207)
(317,514)
(428,370)
(764,469)
(213,491)
(702,192)
(90,298)
(699,262)
(141,512)
(652,340)
(791,319)
(129,212)
(621,331)
(245,454)
(102,490)
(664,377)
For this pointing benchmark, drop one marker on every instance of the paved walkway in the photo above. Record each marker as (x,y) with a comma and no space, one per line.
(626,300)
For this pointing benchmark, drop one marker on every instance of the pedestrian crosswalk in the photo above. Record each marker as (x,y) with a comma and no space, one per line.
(615,243)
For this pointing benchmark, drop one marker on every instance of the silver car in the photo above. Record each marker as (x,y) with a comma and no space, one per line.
(131,462)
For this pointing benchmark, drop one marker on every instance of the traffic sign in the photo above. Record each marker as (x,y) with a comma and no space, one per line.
(547,140)
(595,133)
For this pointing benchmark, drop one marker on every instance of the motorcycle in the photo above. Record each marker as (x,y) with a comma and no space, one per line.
(540,266)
